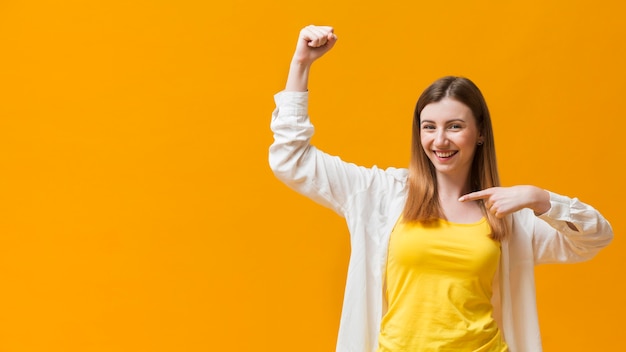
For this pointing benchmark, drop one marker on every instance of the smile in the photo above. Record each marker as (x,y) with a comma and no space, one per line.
(445,154)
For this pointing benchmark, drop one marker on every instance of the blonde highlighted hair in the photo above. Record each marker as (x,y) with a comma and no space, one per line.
(423,199)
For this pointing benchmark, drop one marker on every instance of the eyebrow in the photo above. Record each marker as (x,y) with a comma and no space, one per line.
(453,120)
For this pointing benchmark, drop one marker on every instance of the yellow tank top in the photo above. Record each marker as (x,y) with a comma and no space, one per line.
(439,287)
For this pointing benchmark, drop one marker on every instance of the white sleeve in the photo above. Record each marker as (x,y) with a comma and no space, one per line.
(326,179)
(571,231)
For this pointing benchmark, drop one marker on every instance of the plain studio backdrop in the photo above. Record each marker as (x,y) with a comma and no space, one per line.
(137,208)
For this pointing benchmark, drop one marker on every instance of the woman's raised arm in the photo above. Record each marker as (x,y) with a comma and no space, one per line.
(313,42)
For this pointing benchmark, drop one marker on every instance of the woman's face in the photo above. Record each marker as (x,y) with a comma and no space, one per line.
(449,136)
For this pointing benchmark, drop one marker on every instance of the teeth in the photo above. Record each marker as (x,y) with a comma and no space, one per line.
(444,154)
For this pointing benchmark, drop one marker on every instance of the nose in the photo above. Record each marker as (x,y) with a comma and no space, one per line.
(441,139)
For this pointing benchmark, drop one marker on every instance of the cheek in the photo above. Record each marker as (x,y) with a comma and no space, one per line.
(470,147)
(424,142)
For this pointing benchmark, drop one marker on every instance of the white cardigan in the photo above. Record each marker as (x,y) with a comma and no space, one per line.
(371,200)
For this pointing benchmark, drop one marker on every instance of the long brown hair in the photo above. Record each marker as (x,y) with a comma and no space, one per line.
(423,199)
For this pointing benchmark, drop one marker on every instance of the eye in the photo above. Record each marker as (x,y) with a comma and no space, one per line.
(427,126)
(455,126)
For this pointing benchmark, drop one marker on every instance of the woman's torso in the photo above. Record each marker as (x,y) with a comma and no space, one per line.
(439,287)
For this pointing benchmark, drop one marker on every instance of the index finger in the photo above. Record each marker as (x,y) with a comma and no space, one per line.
(475,195)
(317,35)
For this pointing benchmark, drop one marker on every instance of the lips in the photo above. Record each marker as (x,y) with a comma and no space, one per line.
(444,155)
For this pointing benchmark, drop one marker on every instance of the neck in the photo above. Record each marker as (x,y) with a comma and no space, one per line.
(451,188)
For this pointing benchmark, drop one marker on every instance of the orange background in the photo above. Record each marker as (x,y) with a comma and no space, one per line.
(137,208)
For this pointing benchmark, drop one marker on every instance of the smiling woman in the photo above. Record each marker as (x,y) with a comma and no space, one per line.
(450,135)
(410,229)
(451,121)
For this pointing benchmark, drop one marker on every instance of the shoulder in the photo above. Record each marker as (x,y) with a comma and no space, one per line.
(396,177)
(374,181)
(389,182)
(522,225)
(400,174)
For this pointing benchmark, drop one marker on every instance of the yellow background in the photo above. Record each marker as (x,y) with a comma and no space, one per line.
(137,209)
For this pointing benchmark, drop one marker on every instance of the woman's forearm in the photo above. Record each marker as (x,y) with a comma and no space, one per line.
(298,78)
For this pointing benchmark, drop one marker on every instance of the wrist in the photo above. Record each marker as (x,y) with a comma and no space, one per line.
(300,63)
(542,201)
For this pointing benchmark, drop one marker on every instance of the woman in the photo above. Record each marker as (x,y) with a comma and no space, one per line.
(442,256)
